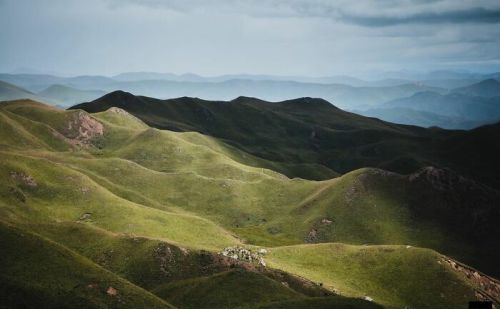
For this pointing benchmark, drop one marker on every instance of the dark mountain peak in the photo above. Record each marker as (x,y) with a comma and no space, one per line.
(186,99)
(118,96)
(245,99)
(308,103)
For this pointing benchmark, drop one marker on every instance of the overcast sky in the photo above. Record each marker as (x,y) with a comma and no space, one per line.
(281,37)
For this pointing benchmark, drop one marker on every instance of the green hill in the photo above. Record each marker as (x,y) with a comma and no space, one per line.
(303,136)
(390,275)
(154,207)
(37,272)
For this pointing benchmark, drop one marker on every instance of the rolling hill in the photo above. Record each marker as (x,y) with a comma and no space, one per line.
(303,136)
(67,96)
(422,118)
(12,92)
(452,105)
(146,212)
(486,88)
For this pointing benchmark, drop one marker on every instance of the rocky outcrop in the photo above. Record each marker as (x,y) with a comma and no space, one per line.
(80,130)
(24,178)
(440,178)
(487,287)
(245,255)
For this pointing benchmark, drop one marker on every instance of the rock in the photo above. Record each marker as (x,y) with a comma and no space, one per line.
(18,194)
(24,178)
(244,255)
(489,287)
(85,216)
(312,236)
(262,251)
(165,257)
(111,291)
(326,221)
(368,298)
(184,251)
(81,129)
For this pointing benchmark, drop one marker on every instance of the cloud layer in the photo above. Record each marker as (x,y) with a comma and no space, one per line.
(299,37)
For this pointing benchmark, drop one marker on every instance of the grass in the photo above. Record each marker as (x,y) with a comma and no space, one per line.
(38,273)
(145,262)
(322,303)
(232,289)
(63,194)
(312,139)
(136,190)
(392,275)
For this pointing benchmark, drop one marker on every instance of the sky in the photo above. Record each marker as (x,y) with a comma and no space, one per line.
(278,37)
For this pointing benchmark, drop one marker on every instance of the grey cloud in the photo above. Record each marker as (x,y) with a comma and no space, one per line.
(475,15)
(211,37)
(378,13)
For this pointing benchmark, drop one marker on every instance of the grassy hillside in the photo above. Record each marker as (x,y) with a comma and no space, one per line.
(301,136)
(322,303)
(154,207)
(233,289)
(392,275)
(37,272)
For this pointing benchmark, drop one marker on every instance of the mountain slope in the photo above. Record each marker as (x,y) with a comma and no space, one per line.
(37,272)
(155,207)
(369,271)
(455,105)
(411,116)
(12,92)
(309,131)
(486,88)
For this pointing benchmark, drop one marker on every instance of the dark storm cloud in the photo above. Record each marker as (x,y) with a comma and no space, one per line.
(475,15)
(362,12)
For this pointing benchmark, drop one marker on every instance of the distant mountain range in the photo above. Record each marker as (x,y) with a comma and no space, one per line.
(12,92)
(446,99)
(55,95)
(461,108)
(226,89)
(65,95)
